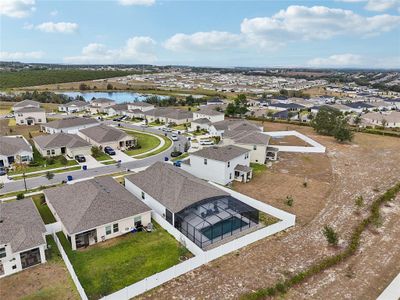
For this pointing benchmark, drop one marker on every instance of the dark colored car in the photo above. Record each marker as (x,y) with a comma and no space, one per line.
(176,153)
(2,171)
(80,158)
(109,150)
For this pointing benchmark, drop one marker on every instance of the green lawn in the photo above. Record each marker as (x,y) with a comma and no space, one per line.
(43,209)
(107,267)
(145,141)
(154,124)
(200,132)
(181,127)
(258,168)
(44,174)
(103,156)
(167,144)
(180,157)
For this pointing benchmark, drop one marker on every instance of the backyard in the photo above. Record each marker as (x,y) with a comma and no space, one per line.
(45,281)
(146,142)
(110,266)
(43,209)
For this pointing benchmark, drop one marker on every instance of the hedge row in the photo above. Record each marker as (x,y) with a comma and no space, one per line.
(283,286)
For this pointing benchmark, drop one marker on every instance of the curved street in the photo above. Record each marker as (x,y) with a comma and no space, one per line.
(35,182)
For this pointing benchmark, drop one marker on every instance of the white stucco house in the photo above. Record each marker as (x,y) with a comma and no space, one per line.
(103,209)
(208,113)
(169,115)
(220,164)
(74,106)
(30,116)
(25,103)
(22,236)
(14,149)
(390,119)
(142,106)
(218,128)
(69,125)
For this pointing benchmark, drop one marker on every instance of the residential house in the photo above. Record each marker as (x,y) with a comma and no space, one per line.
(169,115)
(30,116)
(103,135)
(25,103)
(96,210)
(215,101)
(22,236)
(117,109)
(293,107)
(200,124)
(195,207)
(255,141)
(69,125)
(62,144)
(218,128)
(14,149)
(209,113)
(74,106)
(99,105)
(390,119)
(220,164)
(359,106)
(142,106)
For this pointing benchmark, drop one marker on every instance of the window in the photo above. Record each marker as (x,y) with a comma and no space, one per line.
(230,176)
(229,164)
(108,229)
(53,151)
(22,121)
(137,221)
(143,196)
(115,227)
(39,120)
(48,152)
(14,267)
(2,252)
(205,161)
(25,158)
(254,147)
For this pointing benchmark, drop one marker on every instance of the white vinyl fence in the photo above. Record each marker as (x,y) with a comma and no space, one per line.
(53,228)
(203,257)
(314,148)
(70,268)
(392,292)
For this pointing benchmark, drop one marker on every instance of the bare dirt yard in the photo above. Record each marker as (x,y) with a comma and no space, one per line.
(368,166)
(290,140)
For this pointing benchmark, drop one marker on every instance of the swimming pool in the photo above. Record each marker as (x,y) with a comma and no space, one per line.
(223,227)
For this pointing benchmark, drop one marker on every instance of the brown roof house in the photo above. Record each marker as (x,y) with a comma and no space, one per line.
(103,135)
(22,236)
(96,210)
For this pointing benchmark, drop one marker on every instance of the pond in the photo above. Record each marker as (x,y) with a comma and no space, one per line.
(118,97)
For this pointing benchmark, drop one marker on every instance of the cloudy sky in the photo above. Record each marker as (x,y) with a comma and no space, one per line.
(264,33)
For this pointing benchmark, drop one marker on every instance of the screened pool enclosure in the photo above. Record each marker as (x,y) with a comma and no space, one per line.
(214,219)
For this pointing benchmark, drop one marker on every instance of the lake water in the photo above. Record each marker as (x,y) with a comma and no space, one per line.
(118,97)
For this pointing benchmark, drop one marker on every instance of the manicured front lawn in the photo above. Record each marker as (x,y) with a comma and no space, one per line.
(44,173)
(102,156)
(29,169)
(43,209)
(167,144)
(110,266)
(146,142)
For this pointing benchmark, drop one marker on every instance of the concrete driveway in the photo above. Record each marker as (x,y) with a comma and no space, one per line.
(91,162)
(119,155)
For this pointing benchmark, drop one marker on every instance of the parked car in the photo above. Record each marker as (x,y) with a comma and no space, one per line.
(176,153)
(109,150)
(2,171)
(80,158)
(174,137)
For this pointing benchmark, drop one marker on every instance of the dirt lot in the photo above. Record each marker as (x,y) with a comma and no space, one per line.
(24,130)
(290,140)
(48,281)
(367,166)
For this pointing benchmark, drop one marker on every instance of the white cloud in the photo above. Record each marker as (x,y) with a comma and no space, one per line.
(61,27)
(138,49)
(316,23)
(337,60)
(4,55)
(213,40)
(54,13)
(382,5)
(17,8)
(137,2)
(28,26)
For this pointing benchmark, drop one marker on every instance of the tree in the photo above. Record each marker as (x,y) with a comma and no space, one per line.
(230,109)
(186,147)
(49,175)
(330,235)
(20,196)
(384,123)
(109,86)
(342,131)
(357,120)
(83,87)
(325,120)
(96,152)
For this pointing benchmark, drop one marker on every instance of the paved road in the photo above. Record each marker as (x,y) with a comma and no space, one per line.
(41,180)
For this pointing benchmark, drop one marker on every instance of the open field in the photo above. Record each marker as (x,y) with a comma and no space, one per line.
(109,266)
(367,166)
(42,282)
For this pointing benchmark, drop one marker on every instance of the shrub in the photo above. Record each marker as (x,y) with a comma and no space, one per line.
(20,196)
(331,235)
(289,201)
(359,202)
(50,160)
(96,152)
(49,175)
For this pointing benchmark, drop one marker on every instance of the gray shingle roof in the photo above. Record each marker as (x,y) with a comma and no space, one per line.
(202,121)
(27,102)
(236,125)
(173,187)
(140,103)
(209,111)
(29,109)
(104,134)
(21,226)
(224,153)
(243,168)
(78,103)
(88,204)
(11,145)
(247,137)
(102,100)
(60,140)
(168,112)
(70,122)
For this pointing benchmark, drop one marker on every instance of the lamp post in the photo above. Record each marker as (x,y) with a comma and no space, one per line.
(24,176)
